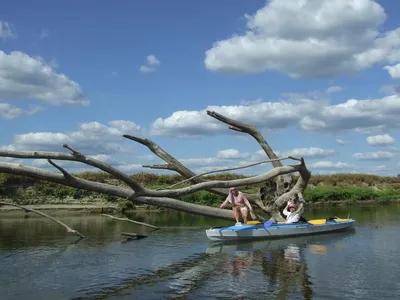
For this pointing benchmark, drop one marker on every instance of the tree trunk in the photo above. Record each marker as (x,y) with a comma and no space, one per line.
(277,191)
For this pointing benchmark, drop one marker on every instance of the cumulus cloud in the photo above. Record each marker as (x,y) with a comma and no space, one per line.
(334,89)
(152,60)
(324,164)
(152,64)
(76,167)
(394,71)
(308,39)
(381,140)
(10,112)
(378,155)
(341,142)
(6,30)
(307,152)
(303,112)
(231,154)
(90,138)
(23,77)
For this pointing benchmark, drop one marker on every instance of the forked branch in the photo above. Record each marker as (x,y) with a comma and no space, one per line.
(251,130)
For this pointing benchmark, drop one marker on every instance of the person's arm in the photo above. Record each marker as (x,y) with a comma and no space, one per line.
(247,202)
(285,211)
(225,202)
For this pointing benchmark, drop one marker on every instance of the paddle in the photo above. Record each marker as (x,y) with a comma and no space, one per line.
(268,223)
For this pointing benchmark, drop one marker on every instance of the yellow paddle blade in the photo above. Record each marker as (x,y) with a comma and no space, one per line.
(341,220)
(253,222)
(317,221)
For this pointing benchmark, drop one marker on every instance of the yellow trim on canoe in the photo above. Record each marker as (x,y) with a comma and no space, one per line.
(323,221)
(317,221)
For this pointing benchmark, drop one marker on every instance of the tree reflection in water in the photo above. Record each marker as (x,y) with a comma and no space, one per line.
(285,268)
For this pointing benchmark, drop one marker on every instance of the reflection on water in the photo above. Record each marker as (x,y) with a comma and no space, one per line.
(39,260)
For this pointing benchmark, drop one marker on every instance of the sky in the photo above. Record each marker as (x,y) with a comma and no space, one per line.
(318,78)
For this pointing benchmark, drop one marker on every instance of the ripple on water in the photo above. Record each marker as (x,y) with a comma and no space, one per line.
(173,263)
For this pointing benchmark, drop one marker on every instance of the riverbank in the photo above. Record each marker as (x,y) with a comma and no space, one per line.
(331,190)
(110,208)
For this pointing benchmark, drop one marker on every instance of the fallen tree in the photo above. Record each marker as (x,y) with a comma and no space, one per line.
(278,189)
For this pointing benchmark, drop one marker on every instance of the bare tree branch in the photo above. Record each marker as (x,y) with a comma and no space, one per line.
(69,229)
(172,163)
(76,156)
(278,175)
(132,221)
(114,191)
(229,169)
(161,167)
(65,173)
(157,150)
(219,183)
(242,127)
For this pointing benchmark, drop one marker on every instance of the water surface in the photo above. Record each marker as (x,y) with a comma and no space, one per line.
(39,260)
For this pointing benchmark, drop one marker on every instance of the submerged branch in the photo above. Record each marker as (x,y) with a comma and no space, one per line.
(132,221)
(27,210)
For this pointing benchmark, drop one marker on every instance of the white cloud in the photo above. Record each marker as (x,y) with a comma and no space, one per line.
(23,77)
(394,71)
(341,142)
(330,165)
(114,74)
(231,154)
(152,62)
(307,152)
(370,116)
(381,140)
(10,112)
(145,69)
(6,30)
(91,138)
(334,89)
(308,39)
(378,155)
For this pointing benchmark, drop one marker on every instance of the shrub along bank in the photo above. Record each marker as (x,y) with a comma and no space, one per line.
(346,188)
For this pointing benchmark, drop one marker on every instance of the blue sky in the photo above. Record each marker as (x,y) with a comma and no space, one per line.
(319,79)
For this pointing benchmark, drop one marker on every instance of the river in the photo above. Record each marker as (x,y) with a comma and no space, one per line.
(39,260)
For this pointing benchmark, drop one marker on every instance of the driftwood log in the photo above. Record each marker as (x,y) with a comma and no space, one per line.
(278,188)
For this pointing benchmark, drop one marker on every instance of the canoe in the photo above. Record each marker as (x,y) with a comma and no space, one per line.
(259,231)
(231,247)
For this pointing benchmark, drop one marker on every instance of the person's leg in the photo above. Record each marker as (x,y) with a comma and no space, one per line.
(236,213)
(243,210)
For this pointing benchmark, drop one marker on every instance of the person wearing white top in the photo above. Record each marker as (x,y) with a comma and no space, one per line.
(290,211)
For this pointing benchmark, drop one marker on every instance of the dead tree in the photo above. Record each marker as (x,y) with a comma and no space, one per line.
(278,189)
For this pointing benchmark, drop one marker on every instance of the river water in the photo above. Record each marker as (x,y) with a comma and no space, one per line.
(39,260)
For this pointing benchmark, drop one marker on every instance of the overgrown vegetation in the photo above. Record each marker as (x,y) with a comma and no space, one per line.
(322,188)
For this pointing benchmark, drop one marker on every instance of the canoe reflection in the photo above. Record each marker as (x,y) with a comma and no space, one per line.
(282,261)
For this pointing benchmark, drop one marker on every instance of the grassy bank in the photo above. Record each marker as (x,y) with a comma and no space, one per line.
(347,188)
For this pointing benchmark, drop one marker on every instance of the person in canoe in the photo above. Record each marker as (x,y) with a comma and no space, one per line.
(293,215)
(240,204)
